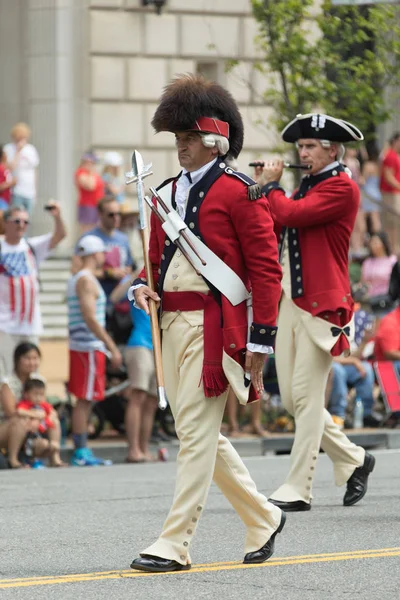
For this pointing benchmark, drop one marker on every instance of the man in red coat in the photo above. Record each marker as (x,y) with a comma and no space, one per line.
(205,340)
(316,308)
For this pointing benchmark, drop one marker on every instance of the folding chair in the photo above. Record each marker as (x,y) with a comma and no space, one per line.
(389,382)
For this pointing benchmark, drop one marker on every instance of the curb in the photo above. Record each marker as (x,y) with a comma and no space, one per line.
(246,447)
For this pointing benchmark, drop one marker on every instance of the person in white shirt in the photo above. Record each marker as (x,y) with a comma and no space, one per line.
(19,287)
(23,160)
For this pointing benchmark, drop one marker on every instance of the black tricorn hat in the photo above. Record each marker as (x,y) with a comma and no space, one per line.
(321,127)
(191,103)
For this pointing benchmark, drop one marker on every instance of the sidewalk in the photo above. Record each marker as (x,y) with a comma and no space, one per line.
(55,369)
(276,443)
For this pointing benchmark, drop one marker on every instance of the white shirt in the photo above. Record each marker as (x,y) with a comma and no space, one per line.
(19,285)
(328,167)
(183,186)
(25,170)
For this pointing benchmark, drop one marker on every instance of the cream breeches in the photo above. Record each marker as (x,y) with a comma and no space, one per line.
(204,453)
(302,369)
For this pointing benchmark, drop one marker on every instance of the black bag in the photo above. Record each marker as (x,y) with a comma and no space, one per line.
(119,324)
(381,302)
(394,285)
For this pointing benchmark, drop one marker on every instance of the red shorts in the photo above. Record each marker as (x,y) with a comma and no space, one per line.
(87,374)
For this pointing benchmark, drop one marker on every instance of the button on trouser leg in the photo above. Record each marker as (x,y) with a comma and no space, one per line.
(308,376)
(197,421)
(232,477)
(345,455)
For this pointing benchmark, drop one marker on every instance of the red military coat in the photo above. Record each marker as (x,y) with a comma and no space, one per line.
(319,223)
(240,232)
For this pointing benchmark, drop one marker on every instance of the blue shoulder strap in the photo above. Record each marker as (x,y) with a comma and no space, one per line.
(253,189)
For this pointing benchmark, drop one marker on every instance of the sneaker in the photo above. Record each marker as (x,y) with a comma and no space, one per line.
(37,464)
(84,457)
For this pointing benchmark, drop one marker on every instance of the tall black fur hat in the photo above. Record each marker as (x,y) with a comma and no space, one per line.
(191,103)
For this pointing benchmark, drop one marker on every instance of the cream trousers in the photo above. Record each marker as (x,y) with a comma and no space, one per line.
(204,453)
(302,369)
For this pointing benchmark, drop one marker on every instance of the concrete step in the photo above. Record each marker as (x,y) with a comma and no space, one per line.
(367,438)
(53,286)
(53,309)
(52,297)
(58,264)
(59,320)
(54,332)
(115,450)
(54,275)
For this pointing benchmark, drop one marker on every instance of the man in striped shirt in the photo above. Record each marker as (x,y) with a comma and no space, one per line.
(88,344)
(19,286)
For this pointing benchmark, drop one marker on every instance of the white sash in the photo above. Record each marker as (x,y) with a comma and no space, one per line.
(215,271)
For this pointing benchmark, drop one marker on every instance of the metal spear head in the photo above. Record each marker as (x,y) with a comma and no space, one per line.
(139,169)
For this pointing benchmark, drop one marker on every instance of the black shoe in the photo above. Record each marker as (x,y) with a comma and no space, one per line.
(372,420)
(264,553)
(358,483)
(155,564)
(297,506)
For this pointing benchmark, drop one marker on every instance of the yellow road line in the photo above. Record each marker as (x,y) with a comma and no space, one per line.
(210,567)
(216,564)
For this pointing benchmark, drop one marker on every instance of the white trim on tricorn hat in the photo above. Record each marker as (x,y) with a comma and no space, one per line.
(321,127)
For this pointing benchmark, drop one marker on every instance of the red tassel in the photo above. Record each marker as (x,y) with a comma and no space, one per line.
(341,345)
(214,379)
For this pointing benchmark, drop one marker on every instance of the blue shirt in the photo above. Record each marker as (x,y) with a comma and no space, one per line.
(141,330)
(118,254)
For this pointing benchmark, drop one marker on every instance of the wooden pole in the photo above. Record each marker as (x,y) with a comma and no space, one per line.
(155,329)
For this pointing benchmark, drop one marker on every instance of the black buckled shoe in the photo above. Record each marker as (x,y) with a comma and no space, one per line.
(264,553)
(155,564)
(357,485)
(296,506)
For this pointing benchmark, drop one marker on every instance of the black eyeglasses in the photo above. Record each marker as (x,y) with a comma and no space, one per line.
(113,214)
(20,221)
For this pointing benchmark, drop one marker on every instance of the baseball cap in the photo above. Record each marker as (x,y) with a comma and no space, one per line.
(90,156)
(90,244)
(113,159)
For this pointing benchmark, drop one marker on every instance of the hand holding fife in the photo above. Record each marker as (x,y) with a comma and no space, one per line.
(142,294)
(271,171)
(254,365)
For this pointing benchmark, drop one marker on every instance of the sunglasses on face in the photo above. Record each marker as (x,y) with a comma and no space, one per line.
(20,221)
(113,214)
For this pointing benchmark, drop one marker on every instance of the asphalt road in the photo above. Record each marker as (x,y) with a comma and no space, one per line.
(71,534)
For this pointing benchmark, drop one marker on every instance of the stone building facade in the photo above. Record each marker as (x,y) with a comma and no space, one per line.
(89,73)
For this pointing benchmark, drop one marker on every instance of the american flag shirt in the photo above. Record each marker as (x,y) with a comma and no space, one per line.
(19,285)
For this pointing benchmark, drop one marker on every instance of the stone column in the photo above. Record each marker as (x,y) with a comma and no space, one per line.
(47,87)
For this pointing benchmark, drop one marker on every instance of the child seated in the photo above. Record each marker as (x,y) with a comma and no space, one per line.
(45,442)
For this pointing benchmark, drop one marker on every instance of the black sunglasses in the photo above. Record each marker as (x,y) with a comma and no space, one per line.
(113,214)
(20,221)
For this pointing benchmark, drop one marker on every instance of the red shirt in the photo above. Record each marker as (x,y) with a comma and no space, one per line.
(89,197)
(387,338)
(391,160)
(47,423)
(5,175)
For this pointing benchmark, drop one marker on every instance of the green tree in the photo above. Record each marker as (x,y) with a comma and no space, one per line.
(338,60)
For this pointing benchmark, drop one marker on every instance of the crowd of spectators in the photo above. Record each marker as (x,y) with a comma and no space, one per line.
(107,332)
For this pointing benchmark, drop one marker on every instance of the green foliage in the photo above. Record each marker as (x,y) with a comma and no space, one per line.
(338,60)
